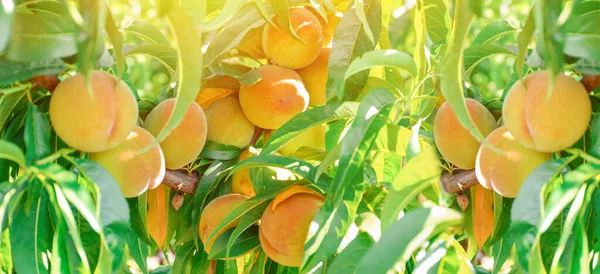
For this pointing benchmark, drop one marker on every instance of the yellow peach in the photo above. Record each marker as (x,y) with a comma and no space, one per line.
(227,123)
(214,213)
(314,77)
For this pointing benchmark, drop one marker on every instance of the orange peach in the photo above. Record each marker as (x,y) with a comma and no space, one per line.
(134,173)
(314,77)
(227,123)
(275,99)
(312,138)
(547,124)
(506,173)
(93,124)
(456,143)
(214,213)
(285,224)
(186,141)
(240,180)
(283,49)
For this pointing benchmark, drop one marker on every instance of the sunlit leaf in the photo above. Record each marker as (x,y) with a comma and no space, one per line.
(147,31)
(494,31)
(583,36)
(116,38)
(163,53)
(475,54)
(6,17)
(12,152)
(347,261)
(388,58)
(523,39)
(226,14)
(12,71)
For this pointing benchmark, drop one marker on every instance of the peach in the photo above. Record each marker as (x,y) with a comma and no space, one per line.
(547,124)
(97,123)
(506,173)
(251,44)
(456,143)
(186,141)
(314,77)
(227,123)
(283,49)
(214,213)
(134,173)
(240,180)
(275,99)
(285,224)
(208,96)
(312,138)
(221,81)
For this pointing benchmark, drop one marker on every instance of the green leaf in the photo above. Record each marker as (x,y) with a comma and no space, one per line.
(583,36)
(12,152)
(494,31)
(281,9)
(224,16)
(230,36)
(147,31)
(218,151)
(437,20)
(6,19)
(308,119)
(297,166)
(550,42)
(245,242)
(595,136)
(6,263)
(13,71)
(360,14)
(347,260)
(139,250)
(163,53)
(37,134)
(247,220)
(405,236)
(31,235)
(475,54)
(46,32)
(183,257)
(189,68)
(264,13)
(90,44)
(523,39)
(117,40)
(387,58)
(351,41)
(418,174)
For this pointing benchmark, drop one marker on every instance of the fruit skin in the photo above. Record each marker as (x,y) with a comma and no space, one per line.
(214,213)
(312,138)
(329,29)
(314,77)
(222,81)
(285,224)
(506,173)
(186,141)
(483,213)
(157,215)
(456,143)
(93,124)
(227,123)
(251,44)
(240,180)
(275,99)
(208,96)
(547,125)
(283,49)
(134,173)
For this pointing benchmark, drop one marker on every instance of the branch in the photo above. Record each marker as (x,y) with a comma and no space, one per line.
(590,82)
(49,82)
(181,181)
(460,181)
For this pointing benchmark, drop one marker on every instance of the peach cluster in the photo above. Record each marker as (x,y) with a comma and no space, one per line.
(537,121)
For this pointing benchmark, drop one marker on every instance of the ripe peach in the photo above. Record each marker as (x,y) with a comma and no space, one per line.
(93,124)
(186,141)
(227,123)
(506,173)
(283,49)
(285,224)
(547,124)
(208,96)
(456,143)
(134,173)
(214,213)
(312,138)
(314,77)
(275,99)
(240,180)
(251,44)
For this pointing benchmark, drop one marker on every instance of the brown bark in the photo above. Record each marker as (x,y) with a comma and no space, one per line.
(181,181)
(590,82)
(458,182)
(48,82)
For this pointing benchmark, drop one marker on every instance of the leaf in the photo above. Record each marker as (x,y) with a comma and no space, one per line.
(248,219)
(405,236)
(550,42)
(6,263)
(475,54)
(347,260)
(89,41)
(6,19)
(157,216)
(360,14)
(281,9)
(523,39)
(138,250)
(208,96)
(264,13)
(482,203)
(12,152)
(224,16)
(451,69)
(583,36)
(147,31)
(116,38)
(351,41)
(297,166)
(247,241)
(189,72)
(13,71)
(437,20)
(230,36)
(418,174)
(494,31)
(163,53)
(31,235)
(387,58)
(218,151)
(47,32)
(595,136)
(308,119)
(37,134)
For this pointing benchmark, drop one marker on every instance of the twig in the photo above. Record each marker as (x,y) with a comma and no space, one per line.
(590,82)
(48,82)
(257,132)
(181,181)
(460,181)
